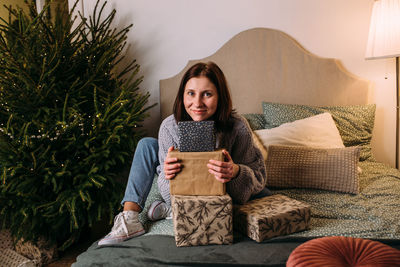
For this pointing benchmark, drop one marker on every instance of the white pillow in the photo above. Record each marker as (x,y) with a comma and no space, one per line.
(318,131)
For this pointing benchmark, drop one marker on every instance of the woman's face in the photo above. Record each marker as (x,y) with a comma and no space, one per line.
(200,98)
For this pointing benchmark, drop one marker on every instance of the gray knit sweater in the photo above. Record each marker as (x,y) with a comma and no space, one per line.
(251,178)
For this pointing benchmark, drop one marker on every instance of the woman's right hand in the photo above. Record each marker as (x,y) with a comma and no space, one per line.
(171,166)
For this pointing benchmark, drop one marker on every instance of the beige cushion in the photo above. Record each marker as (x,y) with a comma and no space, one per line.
(318,131)
(259,145)
(304,167)
(256,140)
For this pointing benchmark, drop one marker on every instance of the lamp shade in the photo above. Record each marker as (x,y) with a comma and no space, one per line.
(384,30)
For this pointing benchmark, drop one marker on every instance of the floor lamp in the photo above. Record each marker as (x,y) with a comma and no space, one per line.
(384,42)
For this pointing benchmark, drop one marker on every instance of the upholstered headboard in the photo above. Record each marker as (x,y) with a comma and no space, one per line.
(263,64)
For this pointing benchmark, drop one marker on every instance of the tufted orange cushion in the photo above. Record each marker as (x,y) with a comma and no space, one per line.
(343,251)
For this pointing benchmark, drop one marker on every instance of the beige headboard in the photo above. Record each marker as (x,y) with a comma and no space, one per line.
(263,64)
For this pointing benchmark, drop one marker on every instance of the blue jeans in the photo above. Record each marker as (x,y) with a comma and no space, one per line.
(143,169)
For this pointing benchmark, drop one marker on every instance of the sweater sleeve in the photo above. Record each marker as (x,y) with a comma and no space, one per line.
(167,137)
(251,178)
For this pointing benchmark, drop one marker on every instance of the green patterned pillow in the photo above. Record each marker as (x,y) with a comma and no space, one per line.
(355,123)
(256,121)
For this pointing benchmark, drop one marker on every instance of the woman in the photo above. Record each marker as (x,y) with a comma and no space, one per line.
(203,95)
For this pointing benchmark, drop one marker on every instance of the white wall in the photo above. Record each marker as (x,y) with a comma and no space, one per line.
(167,33)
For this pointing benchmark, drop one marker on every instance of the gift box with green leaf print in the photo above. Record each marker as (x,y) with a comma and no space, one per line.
(202,220)
(271,216)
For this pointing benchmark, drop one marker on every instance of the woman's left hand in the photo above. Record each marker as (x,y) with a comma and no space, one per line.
(224,171)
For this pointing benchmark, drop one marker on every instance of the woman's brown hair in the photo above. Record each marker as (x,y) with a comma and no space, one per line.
(223,114)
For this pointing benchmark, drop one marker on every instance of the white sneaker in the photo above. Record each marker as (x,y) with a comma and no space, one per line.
(159,210)
(126,226)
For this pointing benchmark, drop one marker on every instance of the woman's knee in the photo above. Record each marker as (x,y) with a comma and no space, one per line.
(148,143)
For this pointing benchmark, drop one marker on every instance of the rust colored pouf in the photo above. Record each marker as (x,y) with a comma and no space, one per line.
(343,251)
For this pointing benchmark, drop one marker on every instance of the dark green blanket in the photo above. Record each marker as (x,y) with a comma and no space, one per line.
(158,250)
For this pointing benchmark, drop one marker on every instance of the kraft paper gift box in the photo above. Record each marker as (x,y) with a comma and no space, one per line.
(202,220)
(271,216)
(194,178)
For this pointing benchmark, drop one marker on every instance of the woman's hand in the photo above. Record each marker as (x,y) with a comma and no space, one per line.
(224,171)
(171,166)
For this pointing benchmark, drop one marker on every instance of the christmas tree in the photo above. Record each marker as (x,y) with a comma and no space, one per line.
(69,121)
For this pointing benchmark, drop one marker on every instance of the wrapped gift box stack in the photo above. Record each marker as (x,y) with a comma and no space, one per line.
(201,209)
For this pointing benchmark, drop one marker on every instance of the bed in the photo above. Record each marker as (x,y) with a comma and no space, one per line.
(268,66)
